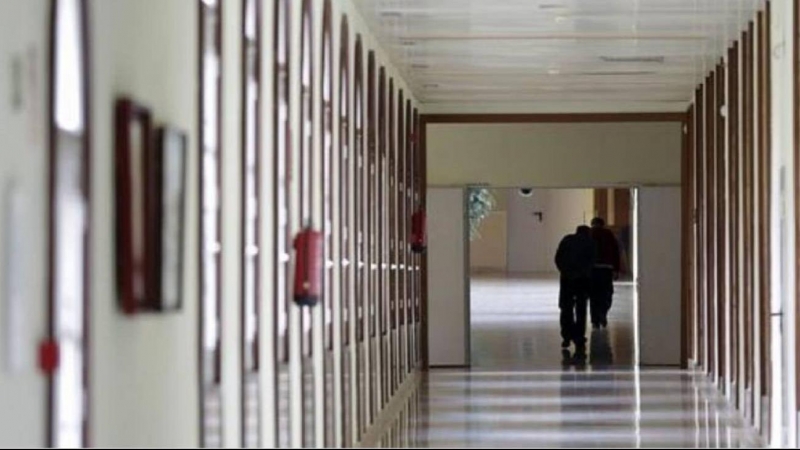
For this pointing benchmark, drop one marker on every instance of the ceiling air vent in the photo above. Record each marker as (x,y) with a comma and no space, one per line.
(633,59)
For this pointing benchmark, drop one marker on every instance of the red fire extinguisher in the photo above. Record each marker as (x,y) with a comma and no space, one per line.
(419,238)
(308,268)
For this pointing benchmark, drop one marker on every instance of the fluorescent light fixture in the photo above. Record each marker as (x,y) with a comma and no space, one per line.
(552,6)
(633,59)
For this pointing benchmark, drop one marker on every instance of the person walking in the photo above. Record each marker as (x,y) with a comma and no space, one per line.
(575,258)
(605,271)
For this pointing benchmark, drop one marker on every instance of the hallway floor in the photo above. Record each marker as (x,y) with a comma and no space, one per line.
(522,392)
(515,325)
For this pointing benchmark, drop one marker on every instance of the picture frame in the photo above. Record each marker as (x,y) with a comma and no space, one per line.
(170,170)
(135,243)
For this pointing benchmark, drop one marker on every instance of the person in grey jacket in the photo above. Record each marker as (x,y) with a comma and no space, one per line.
(575,259)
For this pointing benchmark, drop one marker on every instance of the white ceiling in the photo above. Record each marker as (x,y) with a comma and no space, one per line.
(605,52)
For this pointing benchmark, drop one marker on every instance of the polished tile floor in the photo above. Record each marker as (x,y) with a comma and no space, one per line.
(515,325)
(523,392)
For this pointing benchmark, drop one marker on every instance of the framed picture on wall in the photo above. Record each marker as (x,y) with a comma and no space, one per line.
(134,206)
(171,167)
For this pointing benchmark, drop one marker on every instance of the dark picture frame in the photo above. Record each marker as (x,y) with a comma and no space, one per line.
(150,169)
(135,243)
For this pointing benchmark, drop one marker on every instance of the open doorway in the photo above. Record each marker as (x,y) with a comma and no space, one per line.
(514,283)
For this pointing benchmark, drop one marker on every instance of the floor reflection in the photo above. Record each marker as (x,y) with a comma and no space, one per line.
(600,350)
(515,326)
(523,391)
(580,409)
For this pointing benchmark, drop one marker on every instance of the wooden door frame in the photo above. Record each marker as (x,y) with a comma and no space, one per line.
(201,36)
(52,307)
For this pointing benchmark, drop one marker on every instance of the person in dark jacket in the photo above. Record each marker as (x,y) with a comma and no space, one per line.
(605,271)
(575,259)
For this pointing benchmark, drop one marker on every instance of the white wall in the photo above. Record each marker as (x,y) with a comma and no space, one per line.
(783,408)
(527,246)
(659,260)
(489,251)
(23,161)
(532,243)
(448,306)
(554,154)
(144,369)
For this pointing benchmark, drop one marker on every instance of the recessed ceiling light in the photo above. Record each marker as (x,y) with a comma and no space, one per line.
(553,72)
(561,19)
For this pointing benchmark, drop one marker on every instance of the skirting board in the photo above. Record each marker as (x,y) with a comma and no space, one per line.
(372,436)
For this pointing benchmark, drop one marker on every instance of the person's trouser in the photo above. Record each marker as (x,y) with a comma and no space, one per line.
(572,301)
(601,293)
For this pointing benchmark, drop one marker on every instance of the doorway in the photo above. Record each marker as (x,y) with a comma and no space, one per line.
(514,285)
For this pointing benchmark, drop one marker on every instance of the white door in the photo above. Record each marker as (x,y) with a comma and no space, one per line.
(527,251)
(659,271)
(448,286)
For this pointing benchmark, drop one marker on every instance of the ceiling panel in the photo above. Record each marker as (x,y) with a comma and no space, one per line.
(555,50)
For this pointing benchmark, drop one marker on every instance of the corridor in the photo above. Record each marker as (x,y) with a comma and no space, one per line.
(520,393)
(253,223)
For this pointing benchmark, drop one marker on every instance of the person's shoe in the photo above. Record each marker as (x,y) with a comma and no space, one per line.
(565,343)
(604,323)
(580,352)
(595,325)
